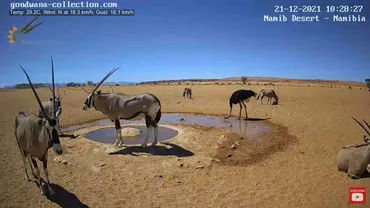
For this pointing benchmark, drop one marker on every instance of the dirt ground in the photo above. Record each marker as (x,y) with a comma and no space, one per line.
(193,169)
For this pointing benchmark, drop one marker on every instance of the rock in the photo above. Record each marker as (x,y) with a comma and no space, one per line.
(64,162)
(289,114)
(229,155)
(158,176)
(237,143)
(178,101)
(130,132)
(216,160)
(199,167)
(181,165)
(230,125)
(222,137)
(95,169)
(102,164)
(58,159)
(233,146)
(182,119)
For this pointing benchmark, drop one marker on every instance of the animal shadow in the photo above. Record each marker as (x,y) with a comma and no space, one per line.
(363,176)
(257,119)
(64,198)
(173,149)
(72,136)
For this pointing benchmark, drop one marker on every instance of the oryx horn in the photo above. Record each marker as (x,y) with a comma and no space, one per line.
(367,131)
(106,77)
(53,85)
(35,93)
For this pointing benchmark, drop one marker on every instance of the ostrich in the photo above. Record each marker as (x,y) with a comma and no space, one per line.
(238,97)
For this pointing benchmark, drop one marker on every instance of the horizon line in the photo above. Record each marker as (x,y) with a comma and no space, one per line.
(210,79)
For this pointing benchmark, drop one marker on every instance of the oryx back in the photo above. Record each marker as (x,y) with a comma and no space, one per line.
(133,107)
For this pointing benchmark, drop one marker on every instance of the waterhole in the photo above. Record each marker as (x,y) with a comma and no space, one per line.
(250,128)
(135,135)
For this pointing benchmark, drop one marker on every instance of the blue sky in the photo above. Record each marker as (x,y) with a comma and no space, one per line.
(168,39)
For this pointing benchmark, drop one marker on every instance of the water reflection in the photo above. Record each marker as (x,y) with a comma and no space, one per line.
(244,128)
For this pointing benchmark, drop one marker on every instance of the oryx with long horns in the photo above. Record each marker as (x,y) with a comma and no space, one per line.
(49,108)
(355,159)
(36,134)
(128,107)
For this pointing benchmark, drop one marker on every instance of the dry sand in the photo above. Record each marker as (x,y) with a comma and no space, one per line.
(297,172)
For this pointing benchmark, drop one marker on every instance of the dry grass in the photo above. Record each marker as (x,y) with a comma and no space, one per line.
(300,175)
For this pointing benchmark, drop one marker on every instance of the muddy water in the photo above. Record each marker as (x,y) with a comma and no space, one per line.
(108,135)
(250,129)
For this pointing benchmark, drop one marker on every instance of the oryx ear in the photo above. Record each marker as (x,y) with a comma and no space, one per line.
(51,99)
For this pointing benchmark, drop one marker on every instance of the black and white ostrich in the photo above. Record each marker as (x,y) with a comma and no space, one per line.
(238,97)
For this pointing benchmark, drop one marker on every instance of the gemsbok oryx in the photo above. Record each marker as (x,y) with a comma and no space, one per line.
(355,159)
(49,108)
(188,92)
(238,97)
(35,135)
(269,94)
(128,107)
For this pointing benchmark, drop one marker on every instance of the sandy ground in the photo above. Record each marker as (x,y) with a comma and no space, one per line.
(294,167)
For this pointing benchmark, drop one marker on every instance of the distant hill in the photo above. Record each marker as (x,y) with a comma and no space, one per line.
(230,79)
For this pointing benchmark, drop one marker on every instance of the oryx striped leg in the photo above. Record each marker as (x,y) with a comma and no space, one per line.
(150,125)
(45,165)
(24,163)
(148,134)
(262,99)
(28,156)
(23,154)
(37,174)
(119,140)
(155,136)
